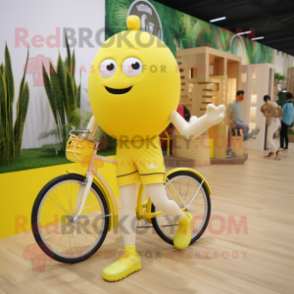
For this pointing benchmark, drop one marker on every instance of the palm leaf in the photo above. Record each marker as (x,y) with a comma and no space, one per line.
(54,132)
(80,118)
(116,15)
(222,42)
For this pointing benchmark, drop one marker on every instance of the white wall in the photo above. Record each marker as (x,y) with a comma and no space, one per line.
(282,63)
(43,18)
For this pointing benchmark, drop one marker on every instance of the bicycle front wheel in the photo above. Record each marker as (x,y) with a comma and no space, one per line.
(61,236)
(196,199)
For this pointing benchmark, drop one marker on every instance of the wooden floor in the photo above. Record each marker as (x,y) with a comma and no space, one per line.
(257,259)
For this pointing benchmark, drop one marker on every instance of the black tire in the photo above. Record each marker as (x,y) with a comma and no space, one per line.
(34,218)
(155,222)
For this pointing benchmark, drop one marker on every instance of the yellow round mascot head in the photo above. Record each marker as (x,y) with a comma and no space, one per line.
(134,84)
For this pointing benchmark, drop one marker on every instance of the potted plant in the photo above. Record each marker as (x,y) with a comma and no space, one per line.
(279,78)
(11,129)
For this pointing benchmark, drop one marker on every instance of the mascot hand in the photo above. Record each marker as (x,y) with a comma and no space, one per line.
(215,114)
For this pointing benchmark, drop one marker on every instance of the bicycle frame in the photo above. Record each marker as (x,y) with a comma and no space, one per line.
(92,175)
(112,205)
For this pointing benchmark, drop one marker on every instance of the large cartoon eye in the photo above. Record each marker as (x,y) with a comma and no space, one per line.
(132,67)
(107,68)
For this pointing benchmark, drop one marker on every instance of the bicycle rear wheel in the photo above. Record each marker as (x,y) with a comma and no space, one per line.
(56,231)
(197,200)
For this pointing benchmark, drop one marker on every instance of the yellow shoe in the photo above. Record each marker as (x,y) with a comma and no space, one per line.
(183,235)
(125,266)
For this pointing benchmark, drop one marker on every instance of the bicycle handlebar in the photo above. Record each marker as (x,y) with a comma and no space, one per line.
(80,131)
(105,159)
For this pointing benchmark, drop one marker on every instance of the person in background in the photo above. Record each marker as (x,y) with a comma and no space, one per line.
(287,120)
(272,112)
(236,121)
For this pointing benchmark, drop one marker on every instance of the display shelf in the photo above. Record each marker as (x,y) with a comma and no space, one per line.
(214,77)
(253,99)
(243,78)
(252,113)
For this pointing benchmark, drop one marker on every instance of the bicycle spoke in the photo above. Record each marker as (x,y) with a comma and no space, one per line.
(62,236)
(193,195)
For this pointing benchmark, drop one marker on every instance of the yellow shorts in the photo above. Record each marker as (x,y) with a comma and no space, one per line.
(140,160)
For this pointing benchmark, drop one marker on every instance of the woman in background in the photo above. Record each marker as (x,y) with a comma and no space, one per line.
(287,120)
(272,112)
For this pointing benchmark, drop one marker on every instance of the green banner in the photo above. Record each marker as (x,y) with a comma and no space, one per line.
(181,31)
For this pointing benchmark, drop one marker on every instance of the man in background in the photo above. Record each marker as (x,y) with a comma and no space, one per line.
(272,111)
(287,121)
(236,121)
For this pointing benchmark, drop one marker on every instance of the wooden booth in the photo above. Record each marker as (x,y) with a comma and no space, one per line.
(208,76)
(257,80)
(290,80)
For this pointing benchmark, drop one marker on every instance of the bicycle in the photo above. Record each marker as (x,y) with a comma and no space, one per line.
(84,207)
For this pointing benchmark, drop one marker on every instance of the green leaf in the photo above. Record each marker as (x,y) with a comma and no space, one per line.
(116,15)
(55,86)
(44,135)
(18,121)
(80,118)
(62,77)
(73,72)
(78,99)
(23,104)
(9,101)
(9,75)
(3,96)
(71,97)
(73,64)
(69,59)
(1,68)
(4,151)
(49,93)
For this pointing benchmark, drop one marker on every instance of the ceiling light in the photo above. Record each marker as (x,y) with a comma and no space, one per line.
(217,19)
(257,38)
(243,33)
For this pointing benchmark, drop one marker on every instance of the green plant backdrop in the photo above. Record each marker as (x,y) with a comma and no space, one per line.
(182,31)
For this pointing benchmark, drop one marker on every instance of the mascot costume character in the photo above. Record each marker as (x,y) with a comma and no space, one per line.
(134,94)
